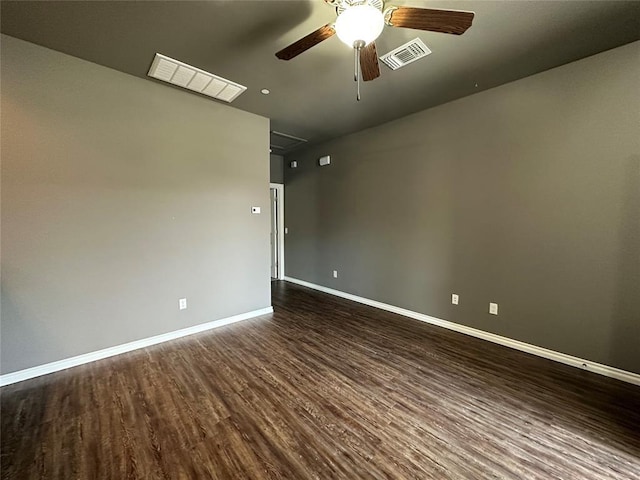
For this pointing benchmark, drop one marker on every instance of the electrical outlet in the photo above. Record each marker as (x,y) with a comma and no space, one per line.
(454,298)
(182,304)
(493,308)
(335,274)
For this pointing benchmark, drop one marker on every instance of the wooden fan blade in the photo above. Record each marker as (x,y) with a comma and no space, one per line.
(445,21)
(306,43)
(369,62)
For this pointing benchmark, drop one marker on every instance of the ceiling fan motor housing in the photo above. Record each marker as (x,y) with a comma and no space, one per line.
(342,5)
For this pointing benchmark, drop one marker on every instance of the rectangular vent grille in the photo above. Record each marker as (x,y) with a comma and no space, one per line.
(282,142)
(185,76)
(405,54)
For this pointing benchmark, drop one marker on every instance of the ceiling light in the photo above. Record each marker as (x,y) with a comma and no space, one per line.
(358,26)
(359,23)
(265,91)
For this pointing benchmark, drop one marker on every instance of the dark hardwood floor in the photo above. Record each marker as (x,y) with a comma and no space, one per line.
(322,389)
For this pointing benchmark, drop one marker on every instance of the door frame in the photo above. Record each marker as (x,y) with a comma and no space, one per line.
(280,212)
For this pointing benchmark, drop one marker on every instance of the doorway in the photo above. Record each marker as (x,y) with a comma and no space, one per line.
(277,230)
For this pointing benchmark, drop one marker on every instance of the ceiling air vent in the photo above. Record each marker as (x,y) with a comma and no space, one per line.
(283,142)
(405,54)
(185,76)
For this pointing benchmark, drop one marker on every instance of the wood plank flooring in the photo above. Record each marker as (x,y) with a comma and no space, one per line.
(322,389)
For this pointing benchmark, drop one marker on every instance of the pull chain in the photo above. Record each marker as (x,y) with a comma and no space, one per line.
(358,74)
(355,63)
(357,47)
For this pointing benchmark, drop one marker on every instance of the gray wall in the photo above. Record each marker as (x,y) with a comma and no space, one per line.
(527,195)
(119,196)
(276,163)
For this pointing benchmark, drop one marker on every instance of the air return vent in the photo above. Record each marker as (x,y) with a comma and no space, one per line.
(183,75)
(283,142)
(405,54)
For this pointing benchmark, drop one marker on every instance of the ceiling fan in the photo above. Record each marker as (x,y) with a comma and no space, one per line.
(360,22)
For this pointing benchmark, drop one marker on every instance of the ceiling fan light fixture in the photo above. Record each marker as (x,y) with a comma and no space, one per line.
(359,23)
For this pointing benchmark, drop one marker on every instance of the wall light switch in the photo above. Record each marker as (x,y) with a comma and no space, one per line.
(182,304)
(493,308)
(255,209)
(286,230)
(335,274)
(454,298)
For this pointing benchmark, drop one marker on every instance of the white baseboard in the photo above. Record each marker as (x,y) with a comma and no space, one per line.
(581,363)
(47,368)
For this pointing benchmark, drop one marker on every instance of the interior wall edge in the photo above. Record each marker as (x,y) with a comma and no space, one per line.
(560,357)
